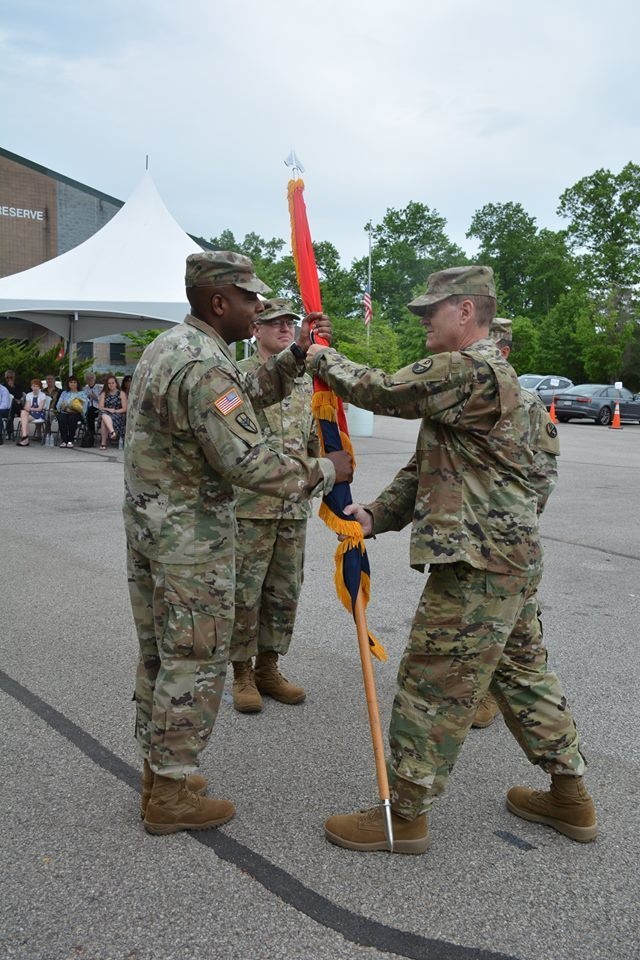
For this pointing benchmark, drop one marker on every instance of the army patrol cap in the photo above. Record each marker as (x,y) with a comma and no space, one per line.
(501,330)
(468,281)
(278,307)
(215,268)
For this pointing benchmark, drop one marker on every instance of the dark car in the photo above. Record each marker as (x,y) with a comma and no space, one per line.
(546,387)
(596,401)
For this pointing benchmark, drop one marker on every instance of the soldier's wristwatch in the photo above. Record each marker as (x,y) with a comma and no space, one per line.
(298,352)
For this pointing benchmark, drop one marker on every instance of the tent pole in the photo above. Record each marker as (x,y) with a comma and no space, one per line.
(72,322)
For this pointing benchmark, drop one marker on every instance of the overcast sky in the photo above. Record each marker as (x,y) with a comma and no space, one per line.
(453,103)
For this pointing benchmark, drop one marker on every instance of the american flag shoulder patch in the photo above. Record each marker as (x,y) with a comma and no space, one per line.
(228,401)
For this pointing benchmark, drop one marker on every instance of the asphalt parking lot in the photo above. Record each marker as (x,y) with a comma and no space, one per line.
(83,881)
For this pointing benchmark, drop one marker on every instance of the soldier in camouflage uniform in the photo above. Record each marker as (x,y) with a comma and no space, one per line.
(192,434)
(545,445)
(469,494)
(271,535)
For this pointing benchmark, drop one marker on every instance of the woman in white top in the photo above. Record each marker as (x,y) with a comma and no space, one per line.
(33,411)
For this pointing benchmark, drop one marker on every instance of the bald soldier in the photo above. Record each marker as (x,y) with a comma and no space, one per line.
(469,494)
(545,446)
(192,433)
(271,535)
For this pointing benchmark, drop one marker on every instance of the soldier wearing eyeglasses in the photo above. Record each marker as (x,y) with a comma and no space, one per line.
(271,535)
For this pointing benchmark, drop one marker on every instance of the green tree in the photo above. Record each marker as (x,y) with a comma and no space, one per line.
(139,340)
(379,349)
(524,352)
(631,360)
(411,339)
(409,244)
(28,361)
(553,271)
(604,227)
(559,341)
(604,337)
(507,236)
(532,268)
(274,269)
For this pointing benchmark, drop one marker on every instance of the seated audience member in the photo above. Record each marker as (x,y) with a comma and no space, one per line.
(51,389)
(5,409)
(53,392)
(92,391)
(113,404)
(126,383)
(17,396)
(33,411)
(71,406)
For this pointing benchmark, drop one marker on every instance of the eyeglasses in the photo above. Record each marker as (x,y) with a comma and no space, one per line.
(278,322)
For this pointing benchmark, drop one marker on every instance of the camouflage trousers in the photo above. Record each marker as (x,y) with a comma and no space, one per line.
(269,575)
(183,620)
(473,631)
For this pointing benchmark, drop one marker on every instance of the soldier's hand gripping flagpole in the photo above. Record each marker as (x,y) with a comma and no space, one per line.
(352,565)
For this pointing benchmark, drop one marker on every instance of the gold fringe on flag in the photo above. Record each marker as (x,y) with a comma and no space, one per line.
(353,539)
(291,189)
(324,406)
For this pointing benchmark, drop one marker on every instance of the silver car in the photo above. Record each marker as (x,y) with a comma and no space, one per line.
(546,387)
(596,401)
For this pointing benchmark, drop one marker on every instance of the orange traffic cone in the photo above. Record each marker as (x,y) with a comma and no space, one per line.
(615,423)
(552,411)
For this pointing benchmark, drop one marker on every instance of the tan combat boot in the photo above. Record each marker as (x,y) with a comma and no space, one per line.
(269,680)
(486,711)
(246,698)
(173,807)
(365,831)
(567,807)
(195,782)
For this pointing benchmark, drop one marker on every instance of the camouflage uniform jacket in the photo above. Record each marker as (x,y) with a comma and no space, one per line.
(544,442)
(192,433)
(467,491)
(288,427)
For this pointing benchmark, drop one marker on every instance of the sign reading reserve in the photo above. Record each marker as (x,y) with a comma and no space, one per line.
(22,213)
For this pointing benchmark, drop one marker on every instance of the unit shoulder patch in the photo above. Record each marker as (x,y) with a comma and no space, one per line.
(422,365)
(246,423)
(552,430)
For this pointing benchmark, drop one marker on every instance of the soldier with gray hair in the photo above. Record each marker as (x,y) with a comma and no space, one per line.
(192,434)
(469,495)
(271,535)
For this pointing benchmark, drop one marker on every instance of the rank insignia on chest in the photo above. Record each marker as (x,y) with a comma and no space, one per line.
(228,401)
(246,423)
(422,366)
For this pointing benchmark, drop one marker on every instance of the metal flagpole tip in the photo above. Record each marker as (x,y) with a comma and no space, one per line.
(292,161)
(388,826)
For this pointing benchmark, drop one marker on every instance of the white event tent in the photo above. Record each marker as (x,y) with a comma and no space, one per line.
(127,276)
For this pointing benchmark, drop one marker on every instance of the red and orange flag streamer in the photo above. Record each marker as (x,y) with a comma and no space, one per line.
(352,574)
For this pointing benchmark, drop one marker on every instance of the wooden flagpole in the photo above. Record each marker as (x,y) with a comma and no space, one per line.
(369,682)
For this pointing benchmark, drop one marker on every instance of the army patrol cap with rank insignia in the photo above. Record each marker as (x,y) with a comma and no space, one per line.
(278,307)
(465,281)
(501,330)
(215,268)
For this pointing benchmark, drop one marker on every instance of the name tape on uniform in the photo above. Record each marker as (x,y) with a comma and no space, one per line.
(228,401)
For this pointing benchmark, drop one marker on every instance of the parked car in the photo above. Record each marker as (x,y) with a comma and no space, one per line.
(546,387)
(596,401)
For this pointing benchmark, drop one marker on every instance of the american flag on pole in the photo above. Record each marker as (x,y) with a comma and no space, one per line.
(368,309)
